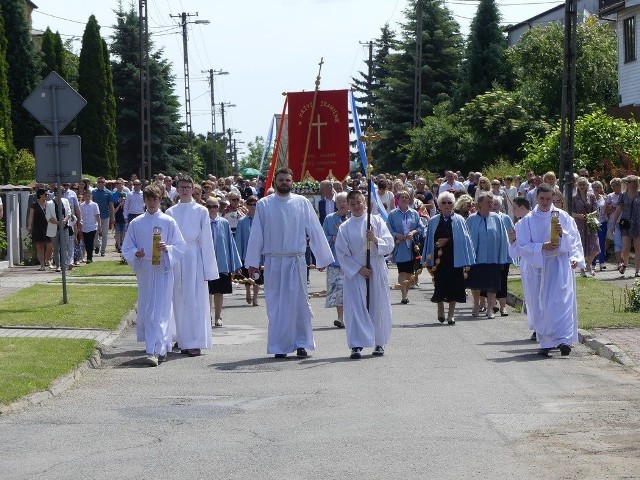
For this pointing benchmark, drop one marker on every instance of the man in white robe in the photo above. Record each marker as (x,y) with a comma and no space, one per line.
(191,307)
(548,280)
(372,327)
(155,282)
(281,224)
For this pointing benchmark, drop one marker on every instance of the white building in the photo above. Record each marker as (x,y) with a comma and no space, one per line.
(554,15)
(626,15)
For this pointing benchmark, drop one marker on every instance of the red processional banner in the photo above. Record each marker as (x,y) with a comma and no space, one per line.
(320,127)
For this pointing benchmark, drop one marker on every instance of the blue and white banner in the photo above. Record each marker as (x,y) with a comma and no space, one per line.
(363,158)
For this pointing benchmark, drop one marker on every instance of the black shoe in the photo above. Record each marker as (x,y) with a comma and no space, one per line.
(338,323)
(378,351)
(96,250)
(441,319)
(162,358)
(496,309)
(544,352)
(184,351)
(194,352)
(564,349)
(534,337)
(280,355)
(451,321)
(355,353)
(404,301)
(301,352)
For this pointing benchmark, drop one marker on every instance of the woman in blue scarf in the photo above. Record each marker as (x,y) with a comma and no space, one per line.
(448,252)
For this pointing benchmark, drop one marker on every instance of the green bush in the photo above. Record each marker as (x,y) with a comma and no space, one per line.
(632,298)
(23,168)
(599,140)
(501,169)
(3,240)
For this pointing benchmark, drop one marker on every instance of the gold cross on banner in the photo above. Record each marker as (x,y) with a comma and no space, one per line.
(369,137)
(319,124)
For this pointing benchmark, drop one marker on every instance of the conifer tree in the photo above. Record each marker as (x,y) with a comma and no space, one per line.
(24,71)
(47,49)
(168,141)
(485,60)
(6,131)
(111,146)
(441,55)
(93,121)
(365,89)
(60,53)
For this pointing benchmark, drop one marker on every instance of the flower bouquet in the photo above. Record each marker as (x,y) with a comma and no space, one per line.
(593,225)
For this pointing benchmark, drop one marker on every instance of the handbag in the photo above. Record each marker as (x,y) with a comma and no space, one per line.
(624,223)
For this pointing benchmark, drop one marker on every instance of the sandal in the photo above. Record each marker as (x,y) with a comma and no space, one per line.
(621,268)
(637,274)
(475,312)
(248,298)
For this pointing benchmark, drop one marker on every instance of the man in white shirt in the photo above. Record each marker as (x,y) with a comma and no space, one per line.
(172,191)
(134,202)
(451,184)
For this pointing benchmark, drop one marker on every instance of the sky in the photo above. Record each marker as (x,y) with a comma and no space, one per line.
(267,46)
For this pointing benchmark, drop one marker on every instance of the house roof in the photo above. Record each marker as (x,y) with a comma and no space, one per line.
(533,19)
(33,5)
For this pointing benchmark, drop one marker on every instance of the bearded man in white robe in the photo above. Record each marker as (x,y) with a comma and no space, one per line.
(282,223)
(365,327)
(191,307)
(548,280)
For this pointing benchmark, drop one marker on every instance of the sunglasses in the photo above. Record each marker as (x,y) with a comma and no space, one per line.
(446,203)
(211,207)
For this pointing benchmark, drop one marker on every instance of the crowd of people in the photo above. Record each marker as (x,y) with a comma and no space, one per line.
(465,232)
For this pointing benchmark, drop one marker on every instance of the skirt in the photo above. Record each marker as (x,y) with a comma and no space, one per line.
(220,285)
(335,287)
(484,276)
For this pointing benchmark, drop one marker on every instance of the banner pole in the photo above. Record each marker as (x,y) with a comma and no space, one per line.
(274,157)
(313,110)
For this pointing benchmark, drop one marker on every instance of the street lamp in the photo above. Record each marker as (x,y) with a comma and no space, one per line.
(187,90)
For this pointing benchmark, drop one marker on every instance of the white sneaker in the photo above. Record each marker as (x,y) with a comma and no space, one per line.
(152,360)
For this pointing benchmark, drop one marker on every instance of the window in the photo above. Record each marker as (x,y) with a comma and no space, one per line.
(629,33)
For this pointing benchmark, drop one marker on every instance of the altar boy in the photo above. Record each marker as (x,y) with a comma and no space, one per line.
(365,327)
(155,282)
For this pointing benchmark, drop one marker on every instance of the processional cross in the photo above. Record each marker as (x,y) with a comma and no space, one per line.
(369,137)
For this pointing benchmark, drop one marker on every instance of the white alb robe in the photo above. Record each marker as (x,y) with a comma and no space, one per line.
(373,327)
(198,264)
(155,282)
(548,279)
(279,232)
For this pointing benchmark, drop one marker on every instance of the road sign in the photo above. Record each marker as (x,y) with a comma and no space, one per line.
(68,102)
(70,159)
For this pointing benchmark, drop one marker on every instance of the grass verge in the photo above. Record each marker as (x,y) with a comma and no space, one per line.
(28,365)
(102,268)
(97,281)
(595,304)
(88,306)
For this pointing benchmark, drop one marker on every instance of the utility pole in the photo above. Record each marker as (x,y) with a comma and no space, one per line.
(369,83)
(214,162)
(187,90)
(417,93)
(568,112)
(145,94)
(224,130)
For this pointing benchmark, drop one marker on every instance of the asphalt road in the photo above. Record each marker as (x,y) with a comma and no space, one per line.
(466,401)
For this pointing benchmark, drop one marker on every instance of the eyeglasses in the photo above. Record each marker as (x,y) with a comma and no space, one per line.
(211,207)
(446,203)
(186,187)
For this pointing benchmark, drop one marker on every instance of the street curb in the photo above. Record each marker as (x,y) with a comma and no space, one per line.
(606,349)
(64,382)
